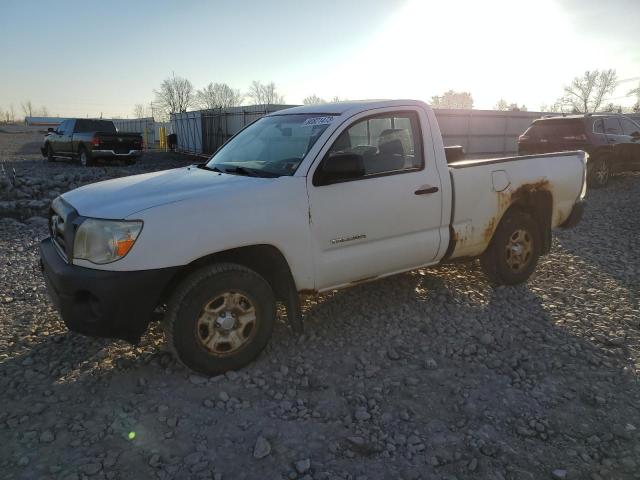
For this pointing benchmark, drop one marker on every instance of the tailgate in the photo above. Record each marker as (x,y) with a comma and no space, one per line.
(120,142)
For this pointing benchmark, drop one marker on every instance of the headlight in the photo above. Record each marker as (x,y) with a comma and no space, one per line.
(105,241)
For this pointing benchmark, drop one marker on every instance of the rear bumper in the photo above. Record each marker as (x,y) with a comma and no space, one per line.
(102,303)
(113,154)
(575,216)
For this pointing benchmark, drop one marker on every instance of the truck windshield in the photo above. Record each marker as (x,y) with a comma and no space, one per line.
(271,147)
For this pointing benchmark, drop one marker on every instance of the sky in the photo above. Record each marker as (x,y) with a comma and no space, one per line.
(86,58)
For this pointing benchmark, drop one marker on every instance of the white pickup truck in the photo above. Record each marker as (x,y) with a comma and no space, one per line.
(304,200)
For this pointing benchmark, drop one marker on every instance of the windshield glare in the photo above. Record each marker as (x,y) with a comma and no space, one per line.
(272,146)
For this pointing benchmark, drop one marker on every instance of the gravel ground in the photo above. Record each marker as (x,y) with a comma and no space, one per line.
(431,374)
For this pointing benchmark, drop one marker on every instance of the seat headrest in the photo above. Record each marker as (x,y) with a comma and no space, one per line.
(392,147)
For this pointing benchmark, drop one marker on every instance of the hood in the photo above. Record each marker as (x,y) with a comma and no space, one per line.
(122,197)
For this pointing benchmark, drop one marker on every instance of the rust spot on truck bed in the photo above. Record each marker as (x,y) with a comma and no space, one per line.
(528,188)
(507,198)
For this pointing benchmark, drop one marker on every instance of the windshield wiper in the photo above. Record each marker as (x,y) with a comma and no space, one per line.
(204,166)
(250,172)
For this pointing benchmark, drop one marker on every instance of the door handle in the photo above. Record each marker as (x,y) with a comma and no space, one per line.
(426,190)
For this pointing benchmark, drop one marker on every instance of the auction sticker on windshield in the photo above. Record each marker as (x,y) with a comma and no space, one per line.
(312,122)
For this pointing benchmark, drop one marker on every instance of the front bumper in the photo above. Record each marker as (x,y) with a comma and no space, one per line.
(575,216)
(103,303)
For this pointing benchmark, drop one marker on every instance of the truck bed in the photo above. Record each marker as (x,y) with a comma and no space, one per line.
(483,189)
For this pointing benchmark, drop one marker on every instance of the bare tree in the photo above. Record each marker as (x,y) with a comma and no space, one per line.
(175,95)
(139,110)
(44,112)
(313,100)
(10,114)
(502,105)
(261,94)
(586,93)
(635,92)
(27,108)
(219,95)
(452,99)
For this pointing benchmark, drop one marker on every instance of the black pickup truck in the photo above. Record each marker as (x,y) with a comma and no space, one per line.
(87,140)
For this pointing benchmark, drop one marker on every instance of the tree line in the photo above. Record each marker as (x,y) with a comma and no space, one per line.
(8,115)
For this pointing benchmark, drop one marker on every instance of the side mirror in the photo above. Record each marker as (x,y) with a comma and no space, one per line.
(49,130)
(338,168)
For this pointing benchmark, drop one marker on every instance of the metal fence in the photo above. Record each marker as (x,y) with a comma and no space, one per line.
(202,132)
(479,132)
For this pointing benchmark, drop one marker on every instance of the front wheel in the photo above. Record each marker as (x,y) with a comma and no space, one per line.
(220,318)
(50,155)
(599,172)
(514,250)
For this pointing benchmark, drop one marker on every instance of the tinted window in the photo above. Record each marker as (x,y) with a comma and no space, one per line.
(612,126)
(387,143)
(63,126)
(598,126)
(628,127)
(557,129)
(95,126)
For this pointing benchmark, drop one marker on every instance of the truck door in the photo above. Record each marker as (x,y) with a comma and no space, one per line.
(616,141)
(387,220)
(66,137)
(55,139)
(631,133)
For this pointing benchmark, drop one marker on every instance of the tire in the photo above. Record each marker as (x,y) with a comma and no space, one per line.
(50,156)
(599,172)
(85,157)
(501,263)
(204,314)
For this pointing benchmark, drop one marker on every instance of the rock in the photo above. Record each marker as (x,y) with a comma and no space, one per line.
(23,461)
(473,464)
(154,461)
(223,396)
(303,466)
(362,415)
(393,354)
(197,379)
(486,339)
(262,448)
(47,436)
(37,221)
(559,473)
(91,468)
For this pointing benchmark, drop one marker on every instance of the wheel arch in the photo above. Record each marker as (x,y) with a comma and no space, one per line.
(537,202)
(266,260)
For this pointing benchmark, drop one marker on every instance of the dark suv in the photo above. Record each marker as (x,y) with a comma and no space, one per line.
(612,142)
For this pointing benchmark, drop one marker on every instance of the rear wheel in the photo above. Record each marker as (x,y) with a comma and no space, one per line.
(220,318)
(85,157)
(514,250)
(599,172)
(50,156)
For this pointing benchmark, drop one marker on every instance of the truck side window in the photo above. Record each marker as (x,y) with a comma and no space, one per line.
(387,143)
(628,127)
(63,127)
(612,126)
(598,127)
